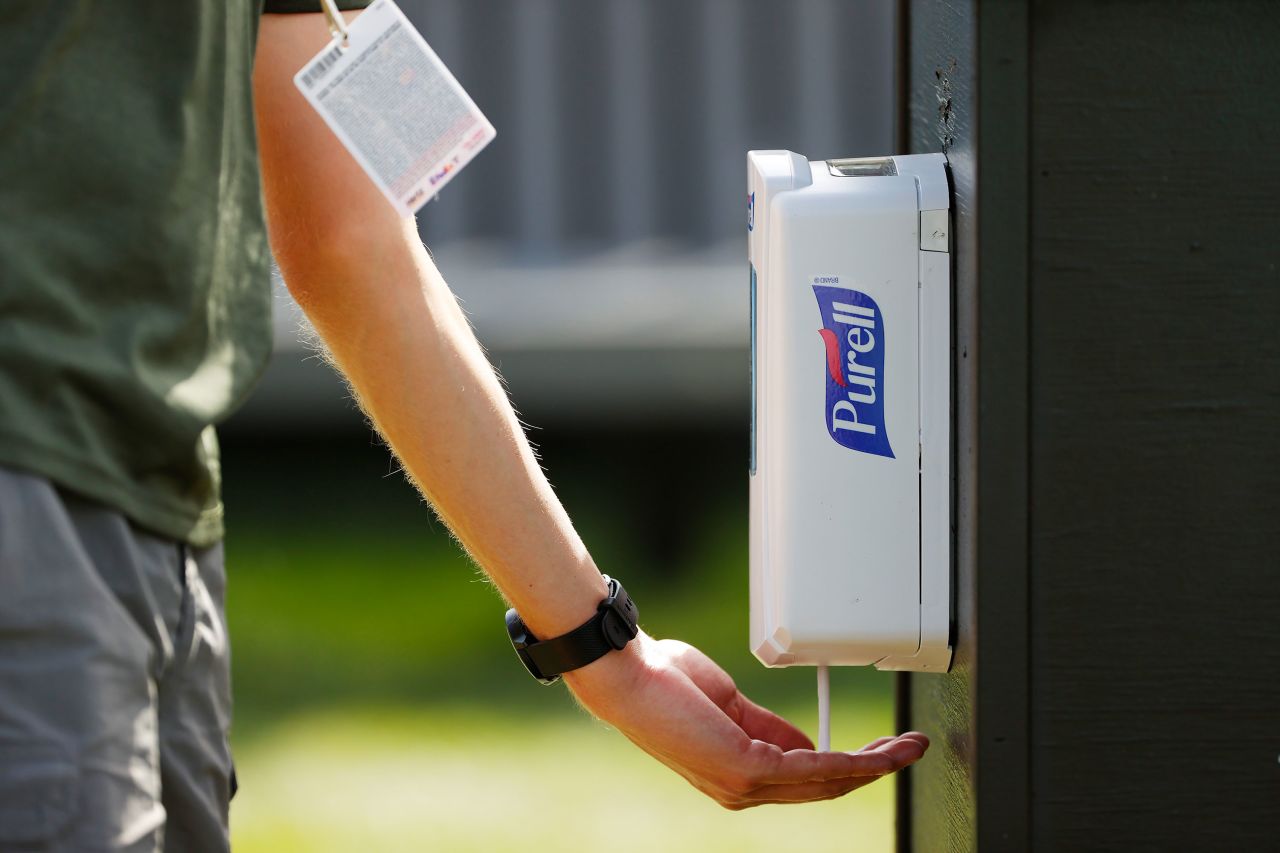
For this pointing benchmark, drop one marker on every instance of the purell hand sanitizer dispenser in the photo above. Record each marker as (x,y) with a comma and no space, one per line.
(851,387)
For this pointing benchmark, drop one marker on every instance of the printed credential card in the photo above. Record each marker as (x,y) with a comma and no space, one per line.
(395,106)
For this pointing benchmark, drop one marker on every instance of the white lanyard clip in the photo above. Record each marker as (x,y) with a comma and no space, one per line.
(337,26)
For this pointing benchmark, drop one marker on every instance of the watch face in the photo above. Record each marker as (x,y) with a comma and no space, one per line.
(521,639)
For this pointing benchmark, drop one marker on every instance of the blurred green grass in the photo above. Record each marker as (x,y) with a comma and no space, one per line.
(379,705)
(465,779)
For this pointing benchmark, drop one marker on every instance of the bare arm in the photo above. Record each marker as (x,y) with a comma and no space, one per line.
(372,292)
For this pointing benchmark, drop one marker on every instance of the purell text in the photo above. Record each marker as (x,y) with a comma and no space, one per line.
(853,334)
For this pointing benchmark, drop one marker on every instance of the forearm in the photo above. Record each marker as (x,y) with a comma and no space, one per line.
(396,332)
(373,293)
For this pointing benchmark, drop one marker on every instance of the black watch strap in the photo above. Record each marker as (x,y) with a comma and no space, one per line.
(612,627)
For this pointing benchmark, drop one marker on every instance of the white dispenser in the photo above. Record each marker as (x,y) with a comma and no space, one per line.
(851,424)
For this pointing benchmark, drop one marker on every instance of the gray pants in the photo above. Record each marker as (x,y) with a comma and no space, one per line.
(115,696)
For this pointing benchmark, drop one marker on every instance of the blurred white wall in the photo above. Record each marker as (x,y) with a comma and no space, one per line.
(598,244)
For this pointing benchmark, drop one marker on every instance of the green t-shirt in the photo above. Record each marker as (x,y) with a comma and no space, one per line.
(135,307)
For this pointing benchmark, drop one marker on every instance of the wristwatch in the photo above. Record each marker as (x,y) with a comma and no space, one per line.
(613,626)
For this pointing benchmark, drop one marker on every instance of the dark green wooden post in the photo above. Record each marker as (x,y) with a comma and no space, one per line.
(1117,674)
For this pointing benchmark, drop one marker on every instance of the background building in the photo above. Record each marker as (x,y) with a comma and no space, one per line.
(598,244)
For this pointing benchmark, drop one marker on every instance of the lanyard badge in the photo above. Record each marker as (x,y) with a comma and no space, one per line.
(393,104)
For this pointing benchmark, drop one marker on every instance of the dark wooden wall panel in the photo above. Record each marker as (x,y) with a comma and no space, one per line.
(1156,426)
(1117,189)
(971,792)
(936,803)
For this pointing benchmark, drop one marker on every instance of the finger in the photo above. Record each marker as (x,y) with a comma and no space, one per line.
(806,792)
(878,742)
(762,724)
(801,765)
(919,737)
(881,743)
(901,749)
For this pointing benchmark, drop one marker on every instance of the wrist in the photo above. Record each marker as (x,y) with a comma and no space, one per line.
(612,628)
(614,674)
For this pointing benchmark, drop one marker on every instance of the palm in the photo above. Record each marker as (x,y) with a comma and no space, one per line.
(685,711)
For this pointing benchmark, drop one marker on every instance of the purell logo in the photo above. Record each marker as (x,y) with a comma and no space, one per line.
(443,173)
(854,334)
(751,212)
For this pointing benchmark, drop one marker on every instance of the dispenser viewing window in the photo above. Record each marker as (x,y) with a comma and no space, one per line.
(851,411)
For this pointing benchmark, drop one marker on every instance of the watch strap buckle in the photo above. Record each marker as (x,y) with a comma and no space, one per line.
(618,617)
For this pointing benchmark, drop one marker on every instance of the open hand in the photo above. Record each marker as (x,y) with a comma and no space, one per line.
(676,704)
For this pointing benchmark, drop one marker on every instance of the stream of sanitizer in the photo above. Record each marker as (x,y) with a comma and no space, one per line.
(824,708)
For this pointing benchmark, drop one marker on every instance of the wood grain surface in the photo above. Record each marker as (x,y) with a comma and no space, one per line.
(971,793)
(1155,382)
(1117,182)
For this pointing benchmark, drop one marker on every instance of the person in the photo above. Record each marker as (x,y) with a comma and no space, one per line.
(137,198)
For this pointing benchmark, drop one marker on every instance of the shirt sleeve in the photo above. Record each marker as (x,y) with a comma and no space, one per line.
(286,6)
